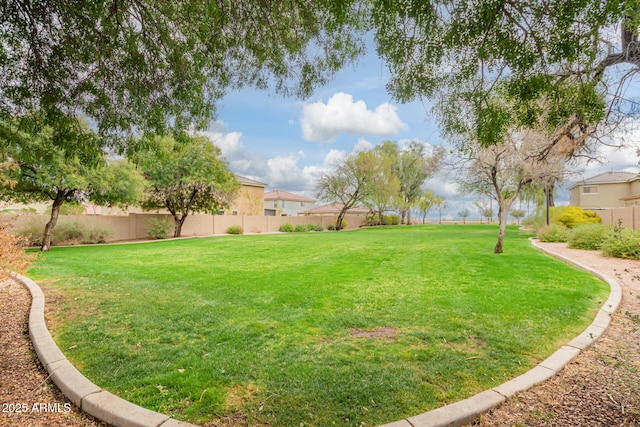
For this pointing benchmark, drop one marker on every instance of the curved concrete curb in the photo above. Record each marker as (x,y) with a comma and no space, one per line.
(465,411)
(76,387)
(110,408)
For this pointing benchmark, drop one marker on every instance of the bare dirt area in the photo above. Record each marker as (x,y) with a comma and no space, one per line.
(28,398)
(600,387)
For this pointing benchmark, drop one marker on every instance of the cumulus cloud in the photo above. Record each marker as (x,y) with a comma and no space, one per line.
(322,122)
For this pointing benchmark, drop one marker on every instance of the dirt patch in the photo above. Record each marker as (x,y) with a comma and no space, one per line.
(382,333)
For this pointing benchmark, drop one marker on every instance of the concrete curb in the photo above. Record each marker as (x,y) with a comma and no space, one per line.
(465,411)
(110,408)
(76,387)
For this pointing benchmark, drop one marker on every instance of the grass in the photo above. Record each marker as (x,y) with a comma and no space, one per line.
(261,328)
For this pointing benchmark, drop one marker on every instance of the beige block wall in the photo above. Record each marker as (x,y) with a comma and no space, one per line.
(135,225)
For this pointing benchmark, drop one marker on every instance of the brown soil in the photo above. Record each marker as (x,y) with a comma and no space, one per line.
(28,398)
(601,387)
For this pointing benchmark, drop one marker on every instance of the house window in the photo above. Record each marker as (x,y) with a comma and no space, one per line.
(301,203)
(275,203)
(590,189)
(282,203)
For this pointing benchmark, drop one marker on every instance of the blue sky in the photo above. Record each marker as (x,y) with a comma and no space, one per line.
(288,143)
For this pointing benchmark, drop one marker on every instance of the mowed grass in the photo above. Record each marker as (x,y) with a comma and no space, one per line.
(272,329)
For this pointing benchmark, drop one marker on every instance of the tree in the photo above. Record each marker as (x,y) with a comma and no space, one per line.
(49,171)
(185,178)
(507,168)
(413,165)
(141,65)
(441,204)
(486,210)
(349,184)
(383,186)
(427,201)
(464,214)
(534,53)
(518,214)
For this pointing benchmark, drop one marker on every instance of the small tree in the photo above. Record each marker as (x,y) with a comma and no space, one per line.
(349,183)
(185,178)
(464,214)
(518,214)
(427,201)
(48,169)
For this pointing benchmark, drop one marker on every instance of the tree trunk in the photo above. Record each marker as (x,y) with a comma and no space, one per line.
(55,212)
(340,218)
(503,216)
(177,231)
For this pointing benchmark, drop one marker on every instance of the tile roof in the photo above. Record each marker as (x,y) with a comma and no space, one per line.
(285,195)
(335,208)
(608,178)
(248,181)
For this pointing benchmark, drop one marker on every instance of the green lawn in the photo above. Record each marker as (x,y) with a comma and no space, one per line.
(263,328)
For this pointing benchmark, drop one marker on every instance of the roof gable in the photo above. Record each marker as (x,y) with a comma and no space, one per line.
(285,195)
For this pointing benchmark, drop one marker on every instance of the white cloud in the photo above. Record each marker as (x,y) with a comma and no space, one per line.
(323,122)
(362,145)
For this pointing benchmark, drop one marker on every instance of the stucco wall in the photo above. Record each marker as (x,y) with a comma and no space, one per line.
(135,225)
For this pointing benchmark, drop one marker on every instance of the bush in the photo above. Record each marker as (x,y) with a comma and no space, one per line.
(553,233)
(235,229)
(571,216)
(395,219)
(622,243)
(286,228)
(301,228)
(12,254)
(160,228)
(588,236)
(344,224)
(97,234)
(68,233)
(331,227)
(315,227)
(32,231)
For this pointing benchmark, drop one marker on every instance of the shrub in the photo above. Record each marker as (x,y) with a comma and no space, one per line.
(160,228)
(12,254)
(344,224)
(386,220)
(301,228)
(315,227)
(331,227)
(395,219)
(286,228)
(553,233)
(97,234)
(588,236)
(68,233)
(570,216)
(32,231)
(235,229)
(622,243)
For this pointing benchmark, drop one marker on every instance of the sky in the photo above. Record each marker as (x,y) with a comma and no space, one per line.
(289,143)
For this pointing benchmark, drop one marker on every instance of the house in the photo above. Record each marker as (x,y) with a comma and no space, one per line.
(607,190)
(280,202)
(333,209)
(250,198)
(248,201)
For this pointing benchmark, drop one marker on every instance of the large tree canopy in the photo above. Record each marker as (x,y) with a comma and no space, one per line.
(549,59)
(146,64)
